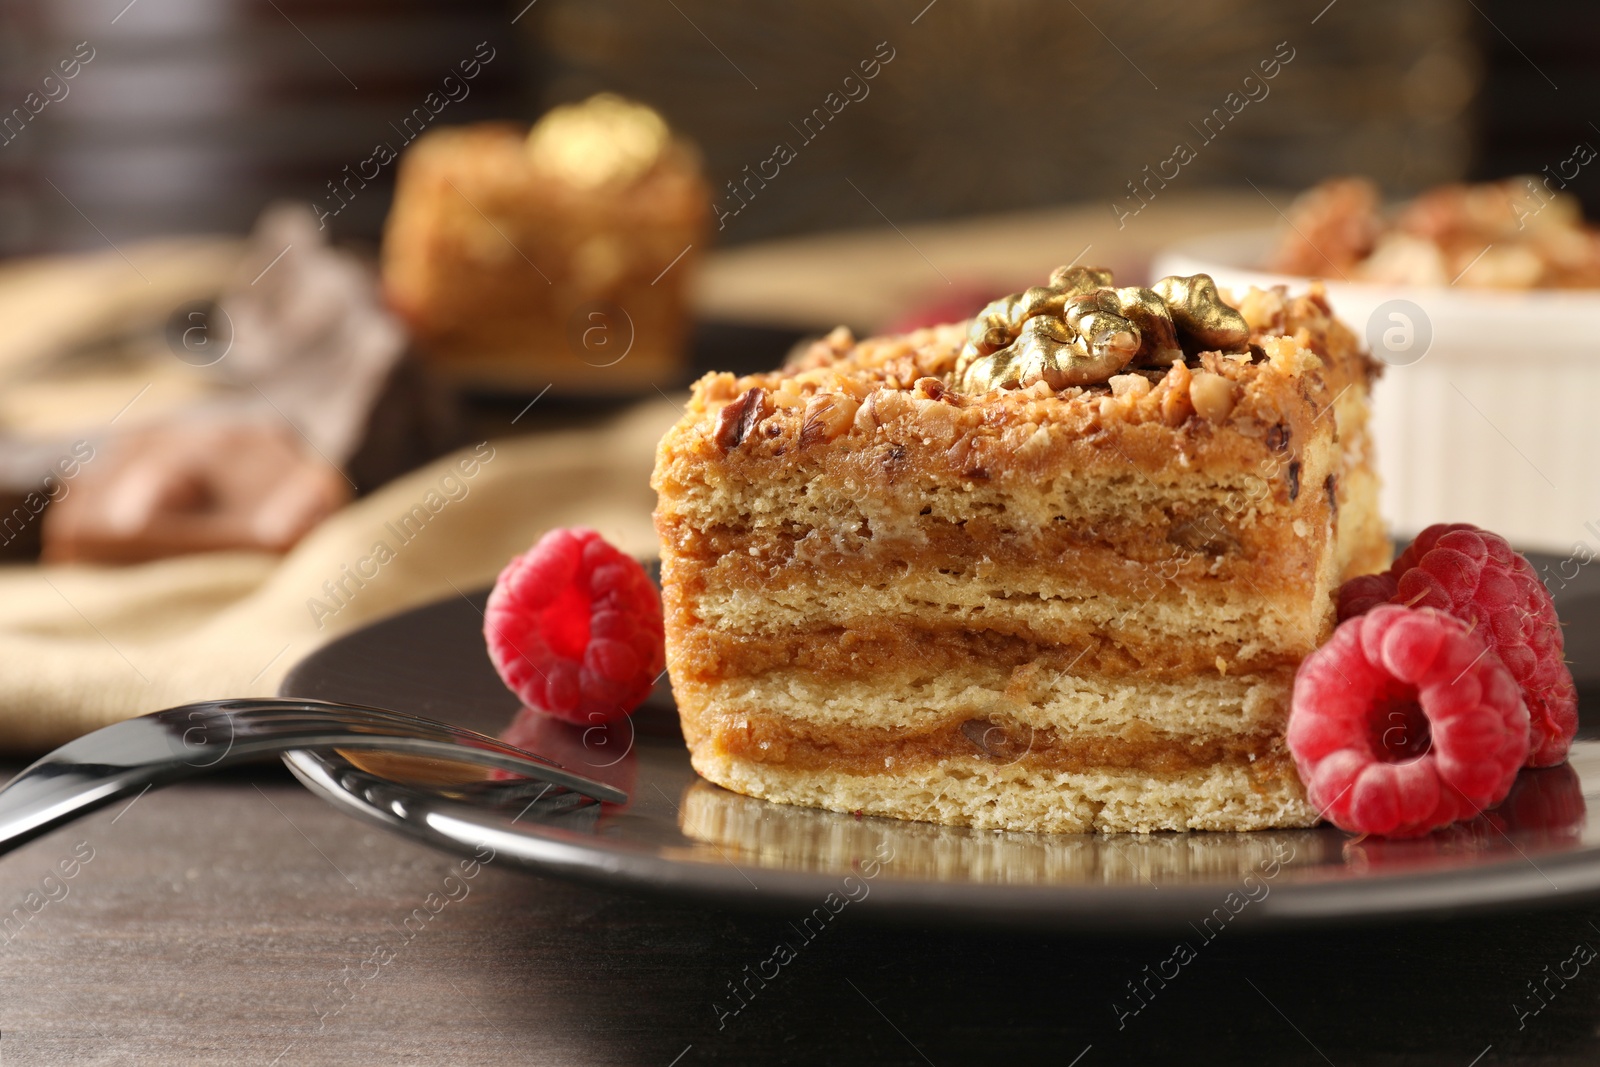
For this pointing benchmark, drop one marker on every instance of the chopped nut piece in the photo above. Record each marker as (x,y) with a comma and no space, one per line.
(827,416)
(735,421)
(1175,403)
(720,386)
(936,422)
(883,405)
(889,404)
(840,339)
(1134,385)
(866,415)
(1212,395)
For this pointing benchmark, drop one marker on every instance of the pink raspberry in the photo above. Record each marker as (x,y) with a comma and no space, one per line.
(1477,577)
(1405,722)
(574,628)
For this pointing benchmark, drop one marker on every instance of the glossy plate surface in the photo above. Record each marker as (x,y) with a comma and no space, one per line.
(681,835)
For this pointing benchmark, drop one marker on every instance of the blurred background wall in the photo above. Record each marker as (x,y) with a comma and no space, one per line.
(191,114)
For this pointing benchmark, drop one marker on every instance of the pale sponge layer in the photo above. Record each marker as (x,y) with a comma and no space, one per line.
(1076,705)
(973,792)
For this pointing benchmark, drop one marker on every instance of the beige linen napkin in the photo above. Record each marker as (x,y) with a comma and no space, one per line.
(81,646)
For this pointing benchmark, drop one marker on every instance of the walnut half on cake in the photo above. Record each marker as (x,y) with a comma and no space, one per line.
(1050,570)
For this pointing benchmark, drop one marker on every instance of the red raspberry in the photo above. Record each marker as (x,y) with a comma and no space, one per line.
(1360,595)
(1403,722)
(1423,543)
(1477,577)
(574,628)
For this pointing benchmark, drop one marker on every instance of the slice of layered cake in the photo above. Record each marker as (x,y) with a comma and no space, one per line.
(529,258)
(1053,569)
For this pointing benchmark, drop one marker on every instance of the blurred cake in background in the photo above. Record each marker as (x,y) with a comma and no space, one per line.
(1519,233)
(557,256)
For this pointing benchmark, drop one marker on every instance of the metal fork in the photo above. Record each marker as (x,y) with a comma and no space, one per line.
(193,739)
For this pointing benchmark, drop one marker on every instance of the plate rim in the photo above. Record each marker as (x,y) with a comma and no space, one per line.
(1513,883)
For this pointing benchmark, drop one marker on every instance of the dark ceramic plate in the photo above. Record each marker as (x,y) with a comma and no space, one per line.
(682,835)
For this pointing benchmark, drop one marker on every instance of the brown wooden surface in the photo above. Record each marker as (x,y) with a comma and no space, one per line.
(218,919)
(213,917)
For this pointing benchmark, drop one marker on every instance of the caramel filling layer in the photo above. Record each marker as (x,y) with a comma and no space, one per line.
(871,647)
(1139,558)
(784,742)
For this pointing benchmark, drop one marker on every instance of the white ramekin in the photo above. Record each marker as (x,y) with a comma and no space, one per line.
(1490,414)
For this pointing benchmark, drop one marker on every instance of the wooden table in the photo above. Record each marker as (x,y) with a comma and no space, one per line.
(216,921)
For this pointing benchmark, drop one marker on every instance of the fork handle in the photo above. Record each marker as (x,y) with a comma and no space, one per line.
(188,741)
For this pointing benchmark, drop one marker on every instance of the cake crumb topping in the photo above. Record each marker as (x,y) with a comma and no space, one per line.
(840,397)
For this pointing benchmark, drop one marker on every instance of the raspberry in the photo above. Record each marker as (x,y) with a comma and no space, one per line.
(1423,543)
(1477,577)
(1404,722)
(1360,595)
(574,628)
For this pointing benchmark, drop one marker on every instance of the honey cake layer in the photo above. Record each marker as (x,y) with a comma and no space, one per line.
(1116,553)
(763,737)
(1249,577)
(1170,632)
(891,483)
(925,700)
(985,794)
(850,645)
(1216,535)
(1061,602)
